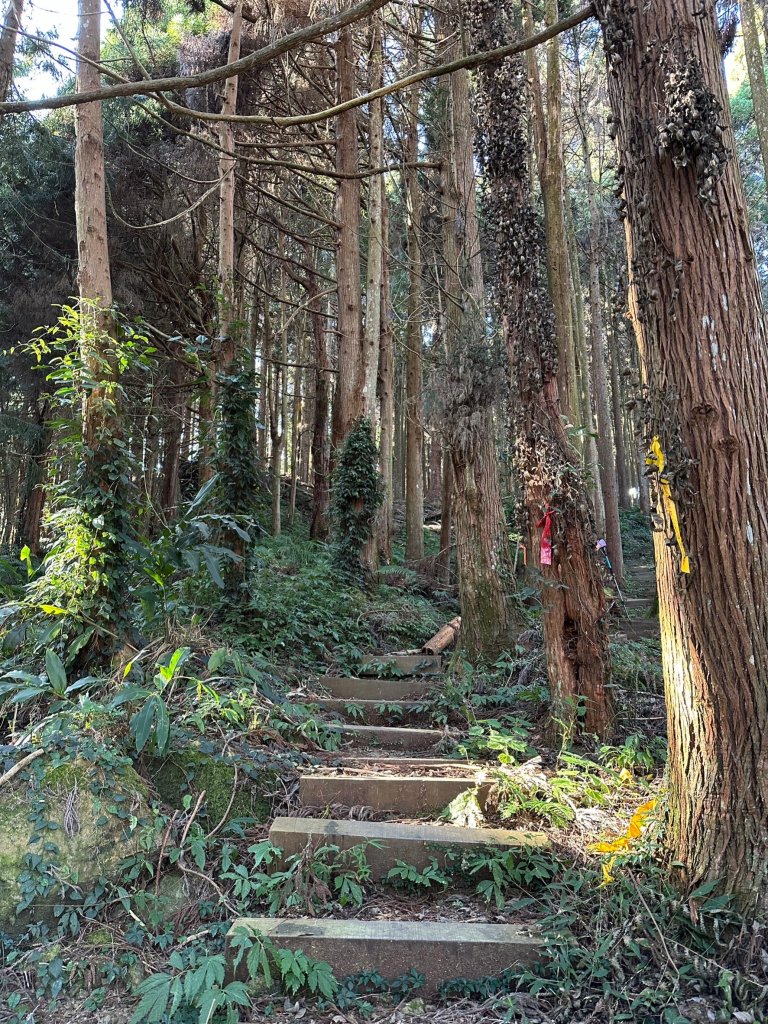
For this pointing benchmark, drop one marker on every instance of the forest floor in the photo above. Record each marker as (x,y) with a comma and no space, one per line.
(243,730)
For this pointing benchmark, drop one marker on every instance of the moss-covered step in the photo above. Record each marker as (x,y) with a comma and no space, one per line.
(370,712)
(408,796)
(69,825)
(393,841)
(438,951)
(370,736)
(402,664)
(387,690)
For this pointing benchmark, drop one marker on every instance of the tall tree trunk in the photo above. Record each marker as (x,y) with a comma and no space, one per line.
(605,440)
(701,328)
(446,521)
(617,410)
(8,36)
(387,409)
(756,71)
(374,277)
(318,529)
(349,401)
(296,427)
(399,447)
(277,416)
(473,383)
(30,513)
(590,456)
(572,595)
(227,312)
(102,472)
(549,144)
(414,400)
(169,477)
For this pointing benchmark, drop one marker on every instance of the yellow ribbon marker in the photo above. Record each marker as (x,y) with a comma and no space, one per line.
(657,460)
(637,825)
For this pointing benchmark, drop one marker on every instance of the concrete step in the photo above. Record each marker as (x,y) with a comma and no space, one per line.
(441,951)
(414,844)
(403,664)
(353,688)
(383,736)
(410,796)
(636,629)
(368,712)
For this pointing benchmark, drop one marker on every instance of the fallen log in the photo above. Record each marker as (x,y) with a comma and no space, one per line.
(444,638)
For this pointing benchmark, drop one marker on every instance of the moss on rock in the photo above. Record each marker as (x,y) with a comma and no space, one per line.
(69,825)
(189,772)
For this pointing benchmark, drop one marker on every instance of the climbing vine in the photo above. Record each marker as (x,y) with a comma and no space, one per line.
(84,577)
(356,496)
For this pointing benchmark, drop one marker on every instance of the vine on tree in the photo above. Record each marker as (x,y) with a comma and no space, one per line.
(356,496)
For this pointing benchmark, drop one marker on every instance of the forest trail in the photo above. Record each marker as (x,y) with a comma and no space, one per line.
(641,601)
(390,767)
(397,773)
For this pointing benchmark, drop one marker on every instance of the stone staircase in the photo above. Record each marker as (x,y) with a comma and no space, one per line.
(641,606)
(376,771)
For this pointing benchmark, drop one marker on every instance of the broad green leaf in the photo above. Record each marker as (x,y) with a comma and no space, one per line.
(213,567)
(141,725)
(162,725)
(27,694)
(154,993)
(218,659)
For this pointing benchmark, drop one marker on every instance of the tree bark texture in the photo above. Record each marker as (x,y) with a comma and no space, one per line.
(94,277)
(590,456)
(701,328)
(605,438)
(318,529)
(8,36)
(375,270)
(474,382)
(387,403)
(227,342)
(349,401)
(572,595)
(547,127)
(756,71)
(414,400)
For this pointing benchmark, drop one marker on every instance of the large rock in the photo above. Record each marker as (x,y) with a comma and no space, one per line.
(61,831)
(190,772)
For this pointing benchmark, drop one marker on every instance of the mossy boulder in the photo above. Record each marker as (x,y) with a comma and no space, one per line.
(189,772)
(63,829)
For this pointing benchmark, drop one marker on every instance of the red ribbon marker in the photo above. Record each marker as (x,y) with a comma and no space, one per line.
(546,537)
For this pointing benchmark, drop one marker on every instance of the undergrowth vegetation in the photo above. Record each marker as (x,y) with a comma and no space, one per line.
(138,792)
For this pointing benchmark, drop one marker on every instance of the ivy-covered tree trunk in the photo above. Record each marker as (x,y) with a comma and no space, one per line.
(355,501)
(701,328)
(548,134)
(575,628)
(473,379)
